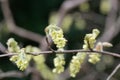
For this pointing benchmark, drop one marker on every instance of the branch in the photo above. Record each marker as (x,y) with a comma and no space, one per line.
(17,74)
(66,52)
(2,48)
(9,54)
(112,26)
(11,74)
(49,45)
(114,71)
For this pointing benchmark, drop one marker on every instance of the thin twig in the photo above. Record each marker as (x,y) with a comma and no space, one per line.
(88,42)
(114,71)
(75,51)
(66,52)
(49,45)
(9,54)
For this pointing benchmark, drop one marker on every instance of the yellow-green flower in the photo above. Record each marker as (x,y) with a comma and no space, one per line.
(76,63)
(91,38)
(59,61)
(78,59)
(60,43)
(56,34)
(13,45)
(94,58)
(22,61)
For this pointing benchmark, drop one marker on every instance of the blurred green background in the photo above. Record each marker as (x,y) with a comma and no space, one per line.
(35,15)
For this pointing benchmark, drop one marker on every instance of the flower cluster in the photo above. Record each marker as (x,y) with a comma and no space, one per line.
(76,63)
(13,46)
(95,57)
(57,36)
(59,61)
(90,39)
(78,59)
(21,58)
